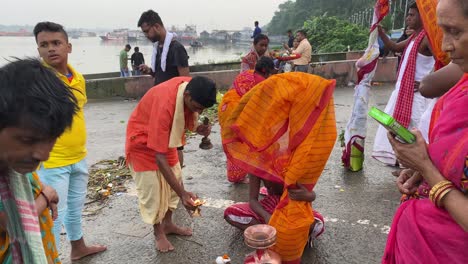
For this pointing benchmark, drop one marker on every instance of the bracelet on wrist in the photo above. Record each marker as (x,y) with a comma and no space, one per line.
(439,191)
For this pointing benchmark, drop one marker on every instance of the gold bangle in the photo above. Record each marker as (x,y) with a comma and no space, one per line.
(442,195)
(438,192)
(437,188)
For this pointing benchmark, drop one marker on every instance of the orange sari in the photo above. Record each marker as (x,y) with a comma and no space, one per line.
(283,131)
(427,11)
(243,83)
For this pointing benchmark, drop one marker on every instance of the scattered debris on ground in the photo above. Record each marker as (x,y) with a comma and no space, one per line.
(106,178)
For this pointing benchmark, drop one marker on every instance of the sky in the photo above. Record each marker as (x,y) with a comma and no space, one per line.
(206,14)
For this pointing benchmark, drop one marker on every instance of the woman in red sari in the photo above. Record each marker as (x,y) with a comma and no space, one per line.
(242,84)
(259,49)
(431,226)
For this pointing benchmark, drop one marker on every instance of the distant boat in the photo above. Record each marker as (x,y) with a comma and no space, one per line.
(189,33)
(19,33)
(117,34)
(136,35)
(196,44)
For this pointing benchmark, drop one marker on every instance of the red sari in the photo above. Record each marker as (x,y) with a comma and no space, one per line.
(421,232)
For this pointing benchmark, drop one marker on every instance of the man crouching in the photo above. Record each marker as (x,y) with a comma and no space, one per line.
(155,129)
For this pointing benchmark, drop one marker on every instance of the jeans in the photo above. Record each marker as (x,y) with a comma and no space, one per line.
(302,68)
(136,72)
(71,183)
(124,73)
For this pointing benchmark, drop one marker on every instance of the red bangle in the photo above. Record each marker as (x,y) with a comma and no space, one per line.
(46,198)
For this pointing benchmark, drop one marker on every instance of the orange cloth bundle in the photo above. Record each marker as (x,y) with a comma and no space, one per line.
(284,130)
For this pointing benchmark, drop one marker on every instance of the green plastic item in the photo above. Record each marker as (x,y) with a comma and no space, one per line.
(400,132)
(356,159)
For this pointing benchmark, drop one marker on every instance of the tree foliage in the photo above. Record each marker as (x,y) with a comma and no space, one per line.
(332,34)
(293,14)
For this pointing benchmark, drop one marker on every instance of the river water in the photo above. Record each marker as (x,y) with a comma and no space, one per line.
(92,55)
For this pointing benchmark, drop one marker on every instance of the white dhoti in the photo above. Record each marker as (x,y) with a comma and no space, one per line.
(382,150)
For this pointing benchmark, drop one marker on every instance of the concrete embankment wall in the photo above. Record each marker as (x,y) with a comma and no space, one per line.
(344,71)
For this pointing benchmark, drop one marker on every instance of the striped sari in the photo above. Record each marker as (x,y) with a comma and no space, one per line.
(283,131)
(45,225)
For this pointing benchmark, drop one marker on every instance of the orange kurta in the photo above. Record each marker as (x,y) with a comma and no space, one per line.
(150,124)
(284,130)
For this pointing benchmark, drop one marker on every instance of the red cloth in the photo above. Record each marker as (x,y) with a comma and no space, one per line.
(245,81)
(268,203)
(149,126)
(404,103)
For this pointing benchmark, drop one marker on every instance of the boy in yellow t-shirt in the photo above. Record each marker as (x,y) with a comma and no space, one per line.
(66,170)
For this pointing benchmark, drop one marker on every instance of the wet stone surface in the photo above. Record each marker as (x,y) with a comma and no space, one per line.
(358,207)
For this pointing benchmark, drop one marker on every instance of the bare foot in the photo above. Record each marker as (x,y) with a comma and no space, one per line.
(246,180)
(177,230)
(163,245)
(86,251)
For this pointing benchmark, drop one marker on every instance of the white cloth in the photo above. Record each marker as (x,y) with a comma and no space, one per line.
(167,42)
(425,121)
(382,150)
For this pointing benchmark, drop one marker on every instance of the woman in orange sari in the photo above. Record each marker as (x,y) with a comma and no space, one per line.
(242,84)
(283,131)
(431,225)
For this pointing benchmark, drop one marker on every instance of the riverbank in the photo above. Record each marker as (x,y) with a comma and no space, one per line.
(358,207)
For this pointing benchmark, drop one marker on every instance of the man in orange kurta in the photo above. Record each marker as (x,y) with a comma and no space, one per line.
(155,129)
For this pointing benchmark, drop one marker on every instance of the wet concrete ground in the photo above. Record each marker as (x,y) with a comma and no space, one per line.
(358,207)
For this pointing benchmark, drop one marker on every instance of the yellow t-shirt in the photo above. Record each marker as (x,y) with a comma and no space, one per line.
(70,147)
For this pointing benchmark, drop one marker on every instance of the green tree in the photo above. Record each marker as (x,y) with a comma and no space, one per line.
(333,34)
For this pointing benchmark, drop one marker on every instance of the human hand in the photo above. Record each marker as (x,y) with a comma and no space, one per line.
(53,198)
(145,69)
(413,156)
(416,86)
(204,130)
(301,193)
(285,46)
(408,181)
(267,218)
(380,29)
(188,199)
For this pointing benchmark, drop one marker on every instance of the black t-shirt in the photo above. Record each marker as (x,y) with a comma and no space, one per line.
(291,41)
(137,59)
(176,57)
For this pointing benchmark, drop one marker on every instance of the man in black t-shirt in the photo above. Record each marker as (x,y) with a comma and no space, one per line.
(137,59)
(167,64)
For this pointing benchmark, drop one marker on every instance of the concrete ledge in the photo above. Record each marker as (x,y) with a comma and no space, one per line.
(345,71)
(223,79)
(135,87)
